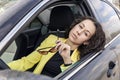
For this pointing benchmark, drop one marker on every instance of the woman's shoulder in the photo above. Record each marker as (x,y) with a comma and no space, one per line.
(52,36)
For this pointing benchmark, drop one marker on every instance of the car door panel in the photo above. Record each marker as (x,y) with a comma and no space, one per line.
(100,68)
(117,52)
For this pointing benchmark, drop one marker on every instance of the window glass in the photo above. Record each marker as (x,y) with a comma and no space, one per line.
(35,24)
(9,53)
(108,18)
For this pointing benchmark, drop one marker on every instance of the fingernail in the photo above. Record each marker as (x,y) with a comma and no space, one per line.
(60,52)
(57,42)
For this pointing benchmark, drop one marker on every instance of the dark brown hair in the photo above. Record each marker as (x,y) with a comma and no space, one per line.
(96,42)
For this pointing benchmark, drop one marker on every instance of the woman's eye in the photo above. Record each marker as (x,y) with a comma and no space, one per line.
(80,27)
(86,34)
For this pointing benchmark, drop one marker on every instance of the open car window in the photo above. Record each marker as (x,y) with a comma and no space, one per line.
(25,42)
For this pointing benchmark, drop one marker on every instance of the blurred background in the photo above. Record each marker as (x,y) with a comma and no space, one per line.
(5,2)
(116,3)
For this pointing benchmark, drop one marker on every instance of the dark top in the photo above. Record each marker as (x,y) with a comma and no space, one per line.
(52,67)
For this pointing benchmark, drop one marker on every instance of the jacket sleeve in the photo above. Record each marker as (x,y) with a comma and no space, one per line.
(29,61)
(63,68)
(25,62)
(74,59)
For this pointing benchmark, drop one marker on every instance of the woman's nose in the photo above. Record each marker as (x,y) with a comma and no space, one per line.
(80,31)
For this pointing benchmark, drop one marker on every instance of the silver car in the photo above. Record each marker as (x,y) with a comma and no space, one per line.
(24,24)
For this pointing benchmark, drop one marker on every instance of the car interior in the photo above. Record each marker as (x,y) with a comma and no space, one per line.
(58,17)
(33,38)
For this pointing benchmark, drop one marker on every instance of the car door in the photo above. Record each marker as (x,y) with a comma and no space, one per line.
(110,21)
(103,67)
(106,65)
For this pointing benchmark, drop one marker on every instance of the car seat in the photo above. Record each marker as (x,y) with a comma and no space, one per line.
(61,18)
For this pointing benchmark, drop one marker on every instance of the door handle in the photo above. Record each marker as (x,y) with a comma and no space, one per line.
(110,68)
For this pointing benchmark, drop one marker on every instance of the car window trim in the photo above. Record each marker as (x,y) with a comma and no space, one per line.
(117,10)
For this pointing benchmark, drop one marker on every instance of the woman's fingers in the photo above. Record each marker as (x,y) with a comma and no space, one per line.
(58,44)
(62,46)
(64,50)
(58,41)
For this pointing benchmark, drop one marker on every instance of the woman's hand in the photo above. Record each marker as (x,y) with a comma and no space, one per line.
(64,51)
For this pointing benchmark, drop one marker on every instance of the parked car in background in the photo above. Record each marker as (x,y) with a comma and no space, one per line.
(25,23)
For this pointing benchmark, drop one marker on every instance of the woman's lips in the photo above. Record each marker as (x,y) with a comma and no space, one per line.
(74,36)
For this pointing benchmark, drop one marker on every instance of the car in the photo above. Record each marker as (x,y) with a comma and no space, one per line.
(24,24)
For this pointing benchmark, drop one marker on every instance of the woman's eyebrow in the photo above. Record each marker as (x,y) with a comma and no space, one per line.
(83,24)
(86,30)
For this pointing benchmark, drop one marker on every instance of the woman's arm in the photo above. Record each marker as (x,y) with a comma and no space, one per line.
(29,61)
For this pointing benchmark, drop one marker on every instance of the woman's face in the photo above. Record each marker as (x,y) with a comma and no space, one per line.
(82,32)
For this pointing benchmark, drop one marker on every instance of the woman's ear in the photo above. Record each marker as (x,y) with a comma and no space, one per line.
(86,43)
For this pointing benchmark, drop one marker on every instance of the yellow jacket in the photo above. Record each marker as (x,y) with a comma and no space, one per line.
(29,61)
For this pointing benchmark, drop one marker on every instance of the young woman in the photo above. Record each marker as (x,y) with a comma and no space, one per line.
(54,56)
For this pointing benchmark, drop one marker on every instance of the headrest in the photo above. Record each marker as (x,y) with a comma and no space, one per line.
(61,17)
